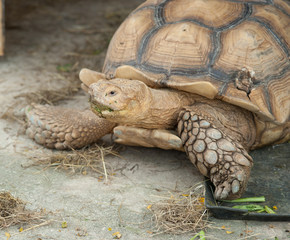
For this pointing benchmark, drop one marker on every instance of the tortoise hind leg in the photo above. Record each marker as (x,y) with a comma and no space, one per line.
(215,148)
(60,128)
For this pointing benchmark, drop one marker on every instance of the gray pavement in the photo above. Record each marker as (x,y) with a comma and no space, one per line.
(41,36)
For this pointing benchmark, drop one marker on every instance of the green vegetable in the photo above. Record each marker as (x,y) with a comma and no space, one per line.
(251,199)
(201,236)
(268,210)
(250,207)
(99,108)
(255,208)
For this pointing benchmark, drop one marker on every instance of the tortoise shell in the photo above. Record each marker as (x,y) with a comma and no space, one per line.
(201,46)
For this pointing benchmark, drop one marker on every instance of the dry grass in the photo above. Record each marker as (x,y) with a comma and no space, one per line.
(12,212)
(90,159)
(42,96)
(50,97)
(180,213)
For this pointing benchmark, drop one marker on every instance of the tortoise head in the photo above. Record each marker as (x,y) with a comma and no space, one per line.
(119,100)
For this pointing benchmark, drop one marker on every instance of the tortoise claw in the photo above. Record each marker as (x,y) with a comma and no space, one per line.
(222,191)
(229,189)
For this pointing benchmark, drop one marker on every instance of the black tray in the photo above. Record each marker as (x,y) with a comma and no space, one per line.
(269,178)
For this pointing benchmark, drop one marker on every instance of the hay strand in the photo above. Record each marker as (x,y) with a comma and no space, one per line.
(89,159)
(180,213)
(13,211)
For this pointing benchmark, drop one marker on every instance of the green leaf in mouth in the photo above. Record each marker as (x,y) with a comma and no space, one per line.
(100,108)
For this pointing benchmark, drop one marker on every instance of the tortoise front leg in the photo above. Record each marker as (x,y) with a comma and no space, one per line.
(160,138)
(215,139)
(60,128)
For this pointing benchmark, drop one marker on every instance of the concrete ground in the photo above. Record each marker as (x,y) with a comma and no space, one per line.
(48,42)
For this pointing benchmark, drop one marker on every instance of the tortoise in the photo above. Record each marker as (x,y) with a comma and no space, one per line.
(217,71)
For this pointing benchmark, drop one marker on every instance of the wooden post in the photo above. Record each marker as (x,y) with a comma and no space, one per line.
(2,27)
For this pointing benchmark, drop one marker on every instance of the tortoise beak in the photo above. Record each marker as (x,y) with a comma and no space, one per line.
(99,108)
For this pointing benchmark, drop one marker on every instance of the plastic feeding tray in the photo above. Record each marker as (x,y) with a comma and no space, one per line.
(269,178)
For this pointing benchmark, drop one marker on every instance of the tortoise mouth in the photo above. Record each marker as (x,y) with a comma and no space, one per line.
(99,108)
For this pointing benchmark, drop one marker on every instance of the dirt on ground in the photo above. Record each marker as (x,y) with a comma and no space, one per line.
(47,43)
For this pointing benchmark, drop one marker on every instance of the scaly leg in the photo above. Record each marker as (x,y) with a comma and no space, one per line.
(215,137)
(60,128)
(160,138)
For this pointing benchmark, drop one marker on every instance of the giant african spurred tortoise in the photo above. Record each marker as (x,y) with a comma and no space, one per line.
(218,71)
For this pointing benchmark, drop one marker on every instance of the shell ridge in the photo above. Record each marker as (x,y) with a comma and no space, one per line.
(223,88)
(281,9)
(144,42)
(197,72)
(141,9)
(268,78)
(216,48)
(220,75)
(115,65)
(193,21)
(247,11)
(159,14)
(269,29)
(252,2)
(245,14)
(266,92)
(153,69)
(159,21)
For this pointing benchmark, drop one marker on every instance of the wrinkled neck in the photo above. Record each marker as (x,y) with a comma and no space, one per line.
(161,108)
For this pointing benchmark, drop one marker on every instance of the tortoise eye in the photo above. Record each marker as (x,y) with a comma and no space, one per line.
(112,93)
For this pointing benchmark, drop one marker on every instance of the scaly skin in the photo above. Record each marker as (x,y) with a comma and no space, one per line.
(216,154)
(59,128)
